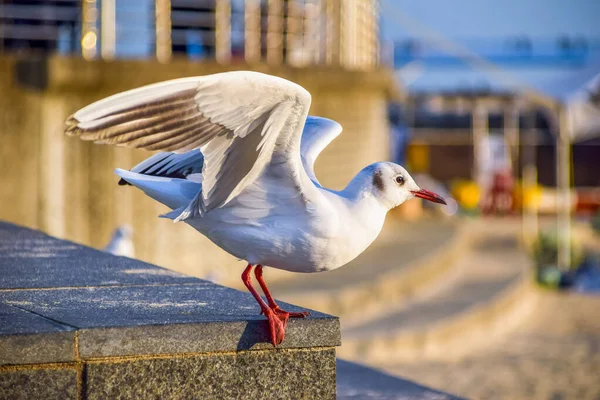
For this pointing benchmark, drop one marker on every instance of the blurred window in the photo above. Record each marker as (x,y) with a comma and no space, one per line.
(43,26)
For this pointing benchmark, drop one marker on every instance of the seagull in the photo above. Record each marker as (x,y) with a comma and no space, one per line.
(236,162)
(121,242)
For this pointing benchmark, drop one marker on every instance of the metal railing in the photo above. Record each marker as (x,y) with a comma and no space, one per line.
(295,32)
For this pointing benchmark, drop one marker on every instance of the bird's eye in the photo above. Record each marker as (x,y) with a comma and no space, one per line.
(400,180)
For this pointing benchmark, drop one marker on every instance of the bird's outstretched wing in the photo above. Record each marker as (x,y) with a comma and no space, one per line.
(318,133)
(241,121)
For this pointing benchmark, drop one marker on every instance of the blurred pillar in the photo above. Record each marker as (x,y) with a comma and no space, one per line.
(530,176)
(333,32)
(312,27)
(89,29)
(350,32)
(481,133)
(294,46)
(563,183)
(354,33)
(164,48)
(368,34)
(108,33)
(252,31)
(223,31)
(275,32)
(511,132)
(374,35)
(53,170)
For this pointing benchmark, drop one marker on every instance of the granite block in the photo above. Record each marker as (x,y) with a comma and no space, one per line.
(39,383)
(204,337)
(202,317)
(32,259)
(282,374)
(27,338)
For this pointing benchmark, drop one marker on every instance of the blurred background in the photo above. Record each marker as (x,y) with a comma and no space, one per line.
(495,105)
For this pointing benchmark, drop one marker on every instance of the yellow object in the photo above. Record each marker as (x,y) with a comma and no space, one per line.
(529,197)
(467,194)
(418,157)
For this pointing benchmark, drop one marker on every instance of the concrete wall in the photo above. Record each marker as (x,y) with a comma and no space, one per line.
(66,187)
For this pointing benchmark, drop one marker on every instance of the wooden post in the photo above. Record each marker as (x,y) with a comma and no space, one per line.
(563,185)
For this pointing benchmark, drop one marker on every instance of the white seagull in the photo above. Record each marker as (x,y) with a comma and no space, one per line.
(236,163)
(121,242)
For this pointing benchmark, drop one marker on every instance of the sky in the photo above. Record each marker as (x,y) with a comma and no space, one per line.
(485,19)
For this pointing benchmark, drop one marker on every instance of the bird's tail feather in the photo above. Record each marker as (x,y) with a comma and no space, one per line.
(175,193)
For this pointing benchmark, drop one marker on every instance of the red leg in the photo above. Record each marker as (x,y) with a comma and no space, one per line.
(277,322)
(259,277)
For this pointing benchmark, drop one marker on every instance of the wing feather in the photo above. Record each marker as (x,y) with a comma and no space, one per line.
(236,119)
(318,133)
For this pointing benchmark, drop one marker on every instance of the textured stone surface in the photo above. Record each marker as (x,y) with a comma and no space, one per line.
(203,337)
(32,259)
(42,384)
(27,338)
(283,374)
(123,307)
(162,319)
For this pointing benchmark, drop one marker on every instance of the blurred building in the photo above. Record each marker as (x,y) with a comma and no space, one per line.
(447,91)
(295,32)
(40,26)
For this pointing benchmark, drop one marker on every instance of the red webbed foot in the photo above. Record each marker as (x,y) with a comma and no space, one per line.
(276,317)
(277,325)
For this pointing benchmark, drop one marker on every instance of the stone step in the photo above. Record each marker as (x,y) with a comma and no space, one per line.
(485,296)
(404,260)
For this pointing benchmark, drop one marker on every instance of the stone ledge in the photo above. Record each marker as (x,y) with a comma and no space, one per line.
(71,315)
(148,320)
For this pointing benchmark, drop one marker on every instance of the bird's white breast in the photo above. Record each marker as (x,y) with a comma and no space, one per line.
(276,227)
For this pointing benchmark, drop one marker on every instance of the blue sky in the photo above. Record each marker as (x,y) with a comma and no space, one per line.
(485,19)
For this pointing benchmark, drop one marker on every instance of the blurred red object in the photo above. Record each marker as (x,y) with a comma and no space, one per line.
(499,197)
(588,200)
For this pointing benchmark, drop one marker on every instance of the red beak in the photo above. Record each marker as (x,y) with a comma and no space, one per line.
(427,195)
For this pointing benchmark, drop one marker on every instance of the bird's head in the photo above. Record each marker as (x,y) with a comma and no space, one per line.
(393,185)
(124,231)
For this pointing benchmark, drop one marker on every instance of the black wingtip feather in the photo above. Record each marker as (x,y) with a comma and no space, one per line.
(123,182)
